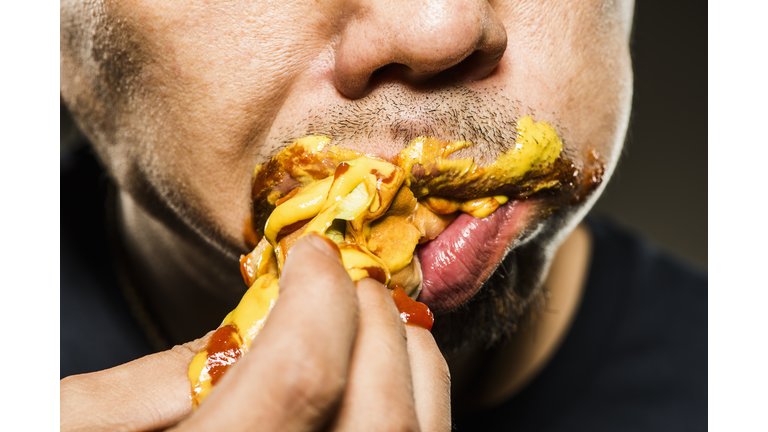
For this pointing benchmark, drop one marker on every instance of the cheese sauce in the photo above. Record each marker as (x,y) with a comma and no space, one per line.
(377,212)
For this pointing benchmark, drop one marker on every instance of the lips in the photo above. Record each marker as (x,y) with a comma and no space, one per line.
(314,186)
(457,263)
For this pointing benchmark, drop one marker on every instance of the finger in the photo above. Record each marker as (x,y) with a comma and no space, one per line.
(296,369)
(149,393)
(379,395)
(431,380)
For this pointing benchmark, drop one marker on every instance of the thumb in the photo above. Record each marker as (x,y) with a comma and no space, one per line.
(149,393)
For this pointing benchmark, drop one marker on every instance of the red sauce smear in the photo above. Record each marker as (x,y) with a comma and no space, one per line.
(249,234)
(411,311)
(290,195)
(386,180)
(291,228)
(223,350)
(247,269)
(341,170)
(377,274)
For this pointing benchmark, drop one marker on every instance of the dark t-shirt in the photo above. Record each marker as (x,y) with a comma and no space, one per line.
(635,358)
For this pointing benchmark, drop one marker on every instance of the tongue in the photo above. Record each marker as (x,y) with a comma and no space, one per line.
(462,258)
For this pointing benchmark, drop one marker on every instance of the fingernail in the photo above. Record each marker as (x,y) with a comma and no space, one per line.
(324,245)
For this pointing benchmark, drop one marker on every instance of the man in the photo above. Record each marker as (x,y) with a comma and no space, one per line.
(181,101)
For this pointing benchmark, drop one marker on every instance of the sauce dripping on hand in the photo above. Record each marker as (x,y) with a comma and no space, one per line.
(223,351)
(411,311)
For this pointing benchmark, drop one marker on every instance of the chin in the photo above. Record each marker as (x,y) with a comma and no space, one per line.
(514,292)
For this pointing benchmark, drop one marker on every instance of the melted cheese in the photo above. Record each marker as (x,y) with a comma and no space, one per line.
(375,211)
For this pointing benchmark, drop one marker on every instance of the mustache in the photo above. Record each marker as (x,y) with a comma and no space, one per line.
(392,118)
(395,114)
(488,118)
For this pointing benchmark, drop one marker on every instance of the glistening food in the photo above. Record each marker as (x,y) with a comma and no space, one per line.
(377,212)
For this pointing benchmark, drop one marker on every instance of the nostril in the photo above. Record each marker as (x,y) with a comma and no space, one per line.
(379,71)
(478,65)
(464,42)
(400,72)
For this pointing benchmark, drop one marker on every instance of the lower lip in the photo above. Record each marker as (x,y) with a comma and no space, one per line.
(456,264)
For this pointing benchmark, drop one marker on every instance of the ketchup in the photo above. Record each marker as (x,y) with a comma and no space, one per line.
(411,311)
(223,350)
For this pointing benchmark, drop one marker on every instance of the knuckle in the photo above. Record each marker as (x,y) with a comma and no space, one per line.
(185,350)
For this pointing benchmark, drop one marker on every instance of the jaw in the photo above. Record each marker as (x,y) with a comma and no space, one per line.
(514,293)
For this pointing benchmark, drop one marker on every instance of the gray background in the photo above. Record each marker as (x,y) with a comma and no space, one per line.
(660,186)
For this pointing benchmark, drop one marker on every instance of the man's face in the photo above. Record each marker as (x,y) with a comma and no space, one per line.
(183,99)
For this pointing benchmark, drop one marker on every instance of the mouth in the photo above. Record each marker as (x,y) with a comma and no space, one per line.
(435,225)
(427,225)
(455,265)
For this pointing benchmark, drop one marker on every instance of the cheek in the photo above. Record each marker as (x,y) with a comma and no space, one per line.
(573,69)
(213,79)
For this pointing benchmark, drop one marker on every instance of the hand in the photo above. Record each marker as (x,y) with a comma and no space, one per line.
(150,393)
(331,356)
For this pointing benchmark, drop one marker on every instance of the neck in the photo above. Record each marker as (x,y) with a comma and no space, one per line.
(186,289)
(506,370)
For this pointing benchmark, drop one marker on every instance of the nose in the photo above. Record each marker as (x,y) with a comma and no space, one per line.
(416,40)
